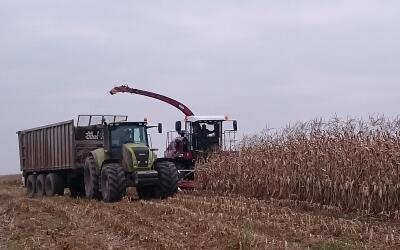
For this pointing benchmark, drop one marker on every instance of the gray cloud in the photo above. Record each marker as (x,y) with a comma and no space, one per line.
(262,62)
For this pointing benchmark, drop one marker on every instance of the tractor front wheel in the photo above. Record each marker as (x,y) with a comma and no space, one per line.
(113,182)
(168,175)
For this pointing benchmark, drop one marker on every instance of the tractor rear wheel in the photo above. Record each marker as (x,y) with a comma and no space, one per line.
(91,179)
(40,184)
(113,182)
(31,185)
(168,175)
(54,184)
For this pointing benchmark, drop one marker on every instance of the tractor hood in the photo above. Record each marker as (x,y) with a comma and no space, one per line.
(137,157)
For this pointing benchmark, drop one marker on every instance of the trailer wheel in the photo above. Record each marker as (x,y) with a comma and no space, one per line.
(168,175)
(91,179)
(54,184)
(40,184)
(31,185)
(113,182)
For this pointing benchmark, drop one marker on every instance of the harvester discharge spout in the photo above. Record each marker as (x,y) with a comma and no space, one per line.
(175,103)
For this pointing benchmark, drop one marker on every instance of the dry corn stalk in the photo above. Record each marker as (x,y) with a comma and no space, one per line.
(351,164)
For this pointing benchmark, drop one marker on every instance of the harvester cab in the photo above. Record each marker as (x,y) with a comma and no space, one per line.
(199,135)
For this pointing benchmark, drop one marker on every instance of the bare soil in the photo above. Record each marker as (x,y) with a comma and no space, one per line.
(188,221)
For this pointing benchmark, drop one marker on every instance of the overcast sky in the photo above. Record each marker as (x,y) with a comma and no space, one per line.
(261,62)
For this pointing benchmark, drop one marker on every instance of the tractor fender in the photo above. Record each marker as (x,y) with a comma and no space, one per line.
(99,156)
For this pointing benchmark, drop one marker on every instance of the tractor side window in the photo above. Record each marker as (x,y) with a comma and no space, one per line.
(139,135)
(118,136)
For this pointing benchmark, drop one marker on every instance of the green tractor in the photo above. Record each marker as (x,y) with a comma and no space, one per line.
(124,159)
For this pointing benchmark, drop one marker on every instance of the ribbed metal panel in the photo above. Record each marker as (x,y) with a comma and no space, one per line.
(50,147)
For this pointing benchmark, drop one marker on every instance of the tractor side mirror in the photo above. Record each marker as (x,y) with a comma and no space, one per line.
(178,126)
(235,127)
(160,128)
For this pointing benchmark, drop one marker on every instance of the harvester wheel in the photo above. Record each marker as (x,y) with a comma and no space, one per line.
(31,185)
(40,184)
(168,179)
(91,179)
(113,182)
(54,184)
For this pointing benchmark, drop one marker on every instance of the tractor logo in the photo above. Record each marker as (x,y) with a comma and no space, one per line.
(90,135)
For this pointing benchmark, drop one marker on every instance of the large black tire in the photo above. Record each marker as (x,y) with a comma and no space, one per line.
(40,184)
(91,179)
(168,175)
(113,182)
(31,185)
(54,184)
(77,186)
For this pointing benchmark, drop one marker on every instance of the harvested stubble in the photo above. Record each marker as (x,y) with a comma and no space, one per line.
(352,164)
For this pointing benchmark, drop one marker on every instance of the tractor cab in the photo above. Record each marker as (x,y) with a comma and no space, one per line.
(128,144)
(119,134)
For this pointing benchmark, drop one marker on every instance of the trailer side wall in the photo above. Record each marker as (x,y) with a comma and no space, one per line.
(47,148)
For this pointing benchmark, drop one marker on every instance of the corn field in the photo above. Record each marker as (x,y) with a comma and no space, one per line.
(351,164)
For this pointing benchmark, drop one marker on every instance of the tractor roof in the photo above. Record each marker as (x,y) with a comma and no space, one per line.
(125,123)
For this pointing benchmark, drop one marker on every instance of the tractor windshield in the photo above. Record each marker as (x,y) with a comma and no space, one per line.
(121,135)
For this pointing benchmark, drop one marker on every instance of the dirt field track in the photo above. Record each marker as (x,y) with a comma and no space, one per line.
(188,221)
